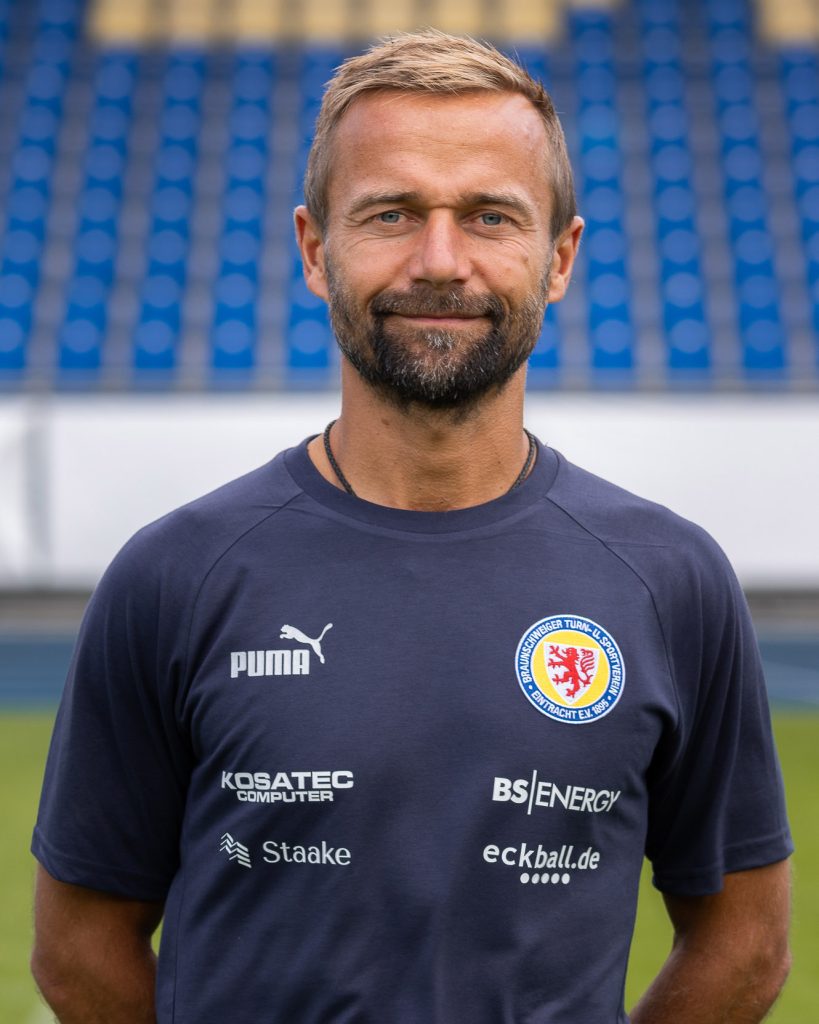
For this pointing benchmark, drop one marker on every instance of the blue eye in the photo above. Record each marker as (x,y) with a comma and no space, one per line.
(492,220)
(389,217)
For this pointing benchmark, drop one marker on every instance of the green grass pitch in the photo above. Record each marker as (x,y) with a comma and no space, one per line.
(23,743)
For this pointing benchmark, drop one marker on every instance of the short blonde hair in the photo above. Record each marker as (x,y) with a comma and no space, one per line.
(434,62)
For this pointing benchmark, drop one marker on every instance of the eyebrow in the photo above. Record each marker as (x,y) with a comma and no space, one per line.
(369,199)
(507,199)
(471,199)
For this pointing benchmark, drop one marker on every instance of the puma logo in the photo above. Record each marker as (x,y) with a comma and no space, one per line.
(291,633)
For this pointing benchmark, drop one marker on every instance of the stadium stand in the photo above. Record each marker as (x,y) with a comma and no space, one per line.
(151,153)
(608,286)
(680,276)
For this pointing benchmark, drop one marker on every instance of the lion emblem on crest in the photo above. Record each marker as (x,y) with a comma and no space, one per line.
(571,669)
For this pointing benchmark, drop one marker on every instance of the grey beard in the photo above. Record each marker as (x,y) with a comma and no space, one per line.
(464,370)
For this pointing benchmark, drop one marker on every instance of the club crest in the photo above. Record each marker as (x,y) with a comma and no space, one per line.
(570,668)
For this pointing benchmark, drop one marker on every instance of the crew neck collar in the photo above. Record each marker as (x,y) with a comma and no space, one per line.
(534,487)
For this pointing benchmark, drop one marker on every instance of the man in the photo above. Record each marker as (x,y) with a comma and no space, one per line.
(385,728)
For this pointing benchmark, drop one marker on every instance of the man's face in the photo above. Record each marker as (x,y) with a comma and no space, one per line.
(437,252)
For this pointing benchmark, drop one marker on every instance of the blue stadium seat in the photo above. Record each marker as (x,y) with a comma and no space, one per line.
(544,363)
(680,274)
(156,335)
(21,253)
(63,15)
(16,303)
(608,287)
(81,342)
(799,75)
(19,272)
(761,333)
(234,332)
(308,338)
(235,295)
(181,261)
(32,167)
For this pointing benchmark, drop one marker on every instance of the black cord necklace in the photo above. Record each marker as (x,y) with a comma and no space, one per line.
(345,483)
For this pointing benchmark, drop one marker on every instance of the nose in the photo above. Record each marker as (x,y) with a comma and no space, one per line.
(440,255)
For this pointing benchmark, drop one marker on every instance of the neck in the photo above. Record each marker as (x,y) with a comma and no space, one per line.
(425,460)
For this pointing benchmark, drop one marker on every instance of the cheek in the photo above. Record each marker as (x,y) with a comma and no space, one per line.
(369,263)
(516,282)
(360,273)
(513,268)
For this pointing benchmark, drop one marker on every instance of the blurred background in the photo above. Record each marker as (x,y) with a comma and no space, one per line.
(157,339)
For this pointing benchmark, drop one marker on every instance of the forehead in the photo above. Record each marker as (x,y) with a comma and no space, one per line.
(477,141)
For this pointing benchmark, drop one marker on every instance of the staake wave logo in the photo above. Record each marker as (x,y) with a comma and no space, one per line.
(235,850)
(570,669)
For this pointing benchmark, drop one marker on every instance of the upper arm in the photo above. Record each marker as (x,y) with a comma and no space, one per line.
(73,922)
(749,918)
(717,804)
(119,763)
(92,958)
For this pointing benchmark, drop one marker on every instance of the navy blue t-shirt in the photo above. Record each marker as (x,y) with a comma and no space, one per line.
(393,766)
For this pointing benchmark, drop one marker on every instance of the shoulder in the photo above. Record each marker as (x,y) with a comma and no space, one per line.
(623,520)
(678,561)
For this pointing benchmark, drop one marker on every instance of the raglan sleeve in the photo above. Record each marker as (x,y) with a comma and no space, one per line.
(717,801)
(116,776)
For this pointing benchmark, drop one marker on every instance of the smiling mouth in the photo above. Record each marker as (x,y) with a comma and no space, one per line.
(427,308)
(439,319)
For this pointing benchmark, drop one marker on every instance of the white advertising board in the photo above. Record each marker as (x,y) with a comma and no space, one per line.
(745,468)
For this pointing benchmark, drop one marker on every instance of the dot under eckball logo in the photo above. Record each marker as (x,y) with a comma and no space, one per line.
(570,669)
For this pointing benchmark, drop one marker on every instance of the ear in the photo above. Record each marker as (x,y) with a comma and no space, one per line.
(563,259)
(311,246)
